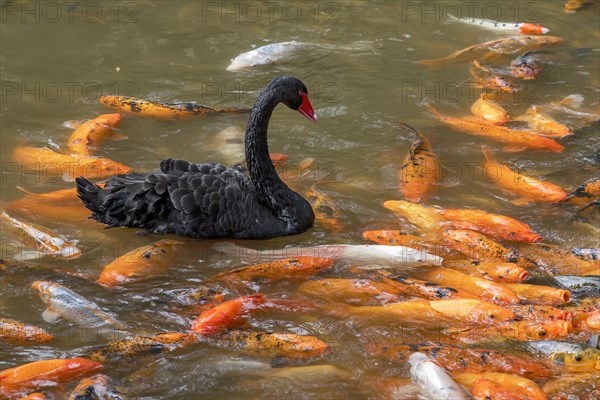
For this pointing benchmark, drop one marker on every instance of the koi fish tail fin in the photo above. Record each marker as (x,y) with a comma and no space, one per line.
(88,193)
(487,153)
(435,112)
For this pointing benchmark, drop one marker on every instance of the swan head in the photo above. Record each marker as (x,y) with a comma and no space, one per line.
(294,94)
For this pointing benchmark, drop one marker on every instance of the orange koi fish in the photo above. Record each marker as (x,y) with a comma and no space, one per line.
(486,79)
(34,396)
(425,218)
(555,260)
(572,6)
(326,214)
(514,140)
(508,45)
(457,359)
(297,268)
(44,373)
(143,108)
(489,111)
(587,321)
(62,202)
(355,291)
(420,172)
(529,189)
(427,290)
(538,313)
(585,192)
(495,271)
(273,345)
(20,333)
(396,238)
(92,133)
(477,246)
(496,385)
(488,290)
(97,387)
(43,239)
(473,311)
(141,346)
(583,386)
(227,315)
(140,264)
(538,294)
(50,165)
(522,331)
(278,159)
(544,124)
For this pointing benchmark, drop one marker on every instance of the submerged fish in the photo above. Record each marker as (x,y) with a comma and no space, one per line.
(63,302)
(581,286)
(43,239)
(227,315)
(526,28)
(264,55)
(527,66)
(572,6)
(386,255)
(298,268)
(20,333)
(96,387)
(92,133)
(572,357)
(544,124)
(489,111)
(487,79)
(497,385)
(433,380)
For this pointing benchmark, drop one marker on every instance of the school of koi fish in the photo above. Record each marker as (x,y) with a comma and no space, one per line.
(464,282)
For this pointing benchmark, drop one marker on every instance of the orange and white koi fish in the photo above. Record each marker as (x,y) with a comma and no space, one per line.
(20,333)
(544,124)
(140,264)
(489,111)
(50,165)
(538,294)
(43,239)
(514,140)
(143,108)
(508,45)
(227,315)
(420,172)
(273,345)
(353,291)
(487,79)
(488,290)
(92,133)
(496,385)
(44,373)
(396,238)
(529,189)
(298,268)
(511,28)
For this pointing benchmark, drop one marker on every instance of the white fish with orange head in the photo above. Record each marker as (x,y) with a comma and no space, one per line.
(433,380)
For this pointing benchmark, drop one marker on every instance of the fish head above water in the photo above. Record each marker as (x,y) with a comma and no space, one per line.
(45,289)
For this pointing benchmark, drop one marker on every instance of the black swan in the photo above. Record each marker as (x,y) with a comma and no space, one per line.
(209,200)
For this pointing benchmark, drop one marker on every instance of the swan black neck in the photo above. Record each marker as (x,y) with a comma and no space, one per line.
(270,188)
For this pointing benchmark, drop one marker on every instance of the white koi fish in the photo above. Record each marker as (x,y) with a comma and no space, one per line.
(264,55)
(526,28)
(433,380)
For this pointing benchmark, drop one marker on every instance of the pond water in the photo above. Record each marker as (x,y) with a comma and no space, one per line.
(360,66)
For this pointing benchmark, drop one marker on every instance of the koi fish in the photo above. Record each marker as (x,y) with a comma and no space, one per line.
(515,140)
(433,219)
(495,292)
(433,380)
(457,359)
(575,101)
(19,333)
(63,302)
(589,214)
(495,271)
(227,315)
(544,124)
(420,172)
(62,202)
(538,294)
(273,345)
(508,45)
(298,268)
(572,6)
(477,246)
(590,189)
(264,55)
(427,290)
(34,396)
(526,28)
(473,311)
(141,346)
(50,165)
(487,79)
(96,387)
(586,321)
(44,373)
(326,214)
(530,189)
(571,357)
(489,111)
(43,239)
(513,386)
(143,108)
(354,291)
(140,264)
(396,238)
(580,286)
(526,66)
(92,133)
(555,260)
(582,386)
(539,312)
(385,255)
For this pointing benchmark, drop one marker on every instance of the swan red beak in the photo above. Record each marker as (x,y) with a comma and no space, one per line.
(306,108)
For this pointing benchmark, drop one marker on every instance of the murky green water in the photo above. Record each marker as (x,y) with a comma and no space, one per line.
(57,58)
